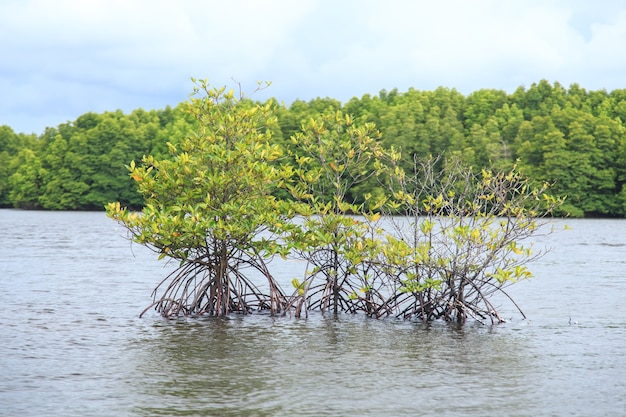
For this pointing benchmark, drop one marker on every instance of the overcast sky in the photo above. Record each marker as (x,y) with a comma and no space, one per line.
(60,59)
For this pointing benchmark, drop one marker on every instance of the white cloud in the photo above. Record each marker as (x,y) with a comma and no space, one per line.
(63,58)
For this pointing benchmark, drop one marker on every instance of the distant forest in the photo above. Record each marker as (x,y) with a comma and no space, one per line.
(571,137)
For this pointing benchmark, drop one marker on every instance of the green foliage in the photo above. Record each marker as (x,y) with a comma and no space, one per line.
(570,137)
(25,182)
(13,150)
(464,237)
(332,155)
(82,163)
(210,206)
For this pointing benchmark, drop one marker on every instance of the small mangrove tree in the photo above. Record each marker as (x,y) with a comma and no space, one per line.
(462,237)
(210,207)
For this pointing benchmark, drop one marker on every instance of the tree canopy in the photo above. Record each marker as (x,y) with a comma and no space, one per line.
(571,137)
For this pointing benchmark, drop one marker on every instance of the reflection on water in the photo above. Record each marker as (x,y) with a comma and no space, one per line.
(326,366)
(71,343)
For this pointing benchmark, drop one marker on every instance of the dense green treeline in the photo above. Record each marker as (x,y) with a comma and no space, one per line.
(80,165)
(570,136)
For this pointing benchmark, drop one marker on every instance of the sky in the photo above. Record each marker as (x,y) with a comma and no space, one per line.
(60,59)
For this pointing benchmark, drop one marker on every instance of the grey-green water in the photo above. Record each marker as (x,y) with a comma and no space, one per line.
(71,344)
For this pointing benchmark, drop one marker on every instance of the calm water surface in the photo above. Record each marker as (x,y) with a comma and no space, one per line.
(71,288)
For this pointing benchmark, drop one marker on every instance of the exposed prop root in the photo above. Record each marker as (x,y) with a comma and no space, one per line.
(197,289)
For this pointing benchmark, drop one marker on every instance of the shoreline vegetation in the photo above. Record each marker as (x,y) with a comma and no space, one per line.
(229,198)
(569,137)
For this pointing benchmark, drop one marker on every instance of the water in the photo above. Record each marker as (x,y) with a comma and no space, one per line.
(71,342)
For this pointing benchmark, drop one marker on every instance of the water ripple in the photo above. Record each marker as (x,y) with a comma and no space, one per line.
(72,344)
